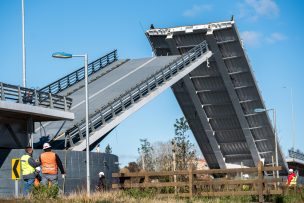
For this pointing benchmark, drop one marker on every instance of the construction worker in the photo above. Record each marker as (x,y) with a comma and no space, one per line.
(28,165)
(291,179)
(50,162)
(101,182)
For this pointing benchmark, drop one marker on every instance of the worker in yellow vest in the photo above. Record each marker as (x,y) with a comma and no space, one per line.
(292,178)
(28,165)
(50,162)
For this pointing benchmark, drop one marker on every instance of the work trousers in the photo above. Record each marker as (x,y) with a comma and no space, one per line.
(49,178)
(28,184)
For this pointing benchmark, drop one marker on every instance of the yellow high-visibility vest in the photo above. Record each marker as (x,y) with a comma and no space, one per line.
(25,166)
(293,181)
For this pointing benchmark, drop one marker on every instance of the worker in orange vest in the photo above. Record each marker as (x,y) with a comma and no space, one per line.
(50,162)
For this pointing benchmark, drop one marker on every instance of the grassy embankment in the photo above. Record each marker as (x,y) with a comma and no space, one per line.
(149,197)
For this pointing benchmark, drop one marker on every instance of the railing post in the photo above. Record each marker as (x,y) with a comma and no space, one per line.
(59,86)
(100,62)
(139,91)
(156,82)
(170,70)
(163,75)
(189,57)
(68,81)
(70,140)
(260,182)
(112,112)
(92,125)
(79,132)
(65,104)
(184,63)
(131,98)
(102,118)
(51,101)
(36,98)
(19,95)
(65,140)
(77,76)
(122,105)
(2,92)
(93,70)
(191,181)
(148,86)
(115,55)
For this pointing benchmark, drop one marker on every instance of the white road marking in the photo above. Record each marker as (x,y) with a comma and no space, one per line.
(95,94)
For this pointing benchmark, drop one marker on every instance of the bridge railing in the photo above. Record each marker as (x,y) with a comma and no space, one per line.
(118,105)
(33,97)
(78,75)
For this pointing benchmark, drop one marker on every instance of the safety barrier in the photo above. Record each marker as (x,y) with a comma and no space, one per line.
(78,75)
(33,97)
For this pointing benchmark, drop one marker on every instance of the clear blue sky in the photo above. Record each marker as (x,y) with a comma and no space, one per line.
(272,32)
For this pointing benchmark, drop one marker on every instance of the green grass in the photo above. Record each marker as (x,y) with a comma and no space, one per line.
(46,195)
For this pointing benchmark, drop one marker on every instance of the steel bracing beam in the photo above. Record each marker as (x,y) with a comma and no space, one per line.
(204,121)
(233,96)
(199,110)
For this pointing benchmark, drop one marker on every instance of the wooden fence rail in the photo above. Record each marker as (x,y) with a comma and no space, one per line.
(201,182)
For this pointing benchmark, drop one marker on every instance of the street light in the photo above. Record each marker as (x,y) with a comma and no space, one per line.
(23,49)
(64,55)
(261,110)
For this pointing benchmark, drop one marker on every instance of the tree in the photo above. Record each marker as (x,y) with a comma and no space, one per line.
(162,156)
(133,167)
(108,149)
(184,149)
(145,151)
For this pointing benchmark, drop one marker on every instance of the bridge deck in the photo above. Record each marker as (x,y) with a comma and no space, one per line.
(224,95)
(111,82)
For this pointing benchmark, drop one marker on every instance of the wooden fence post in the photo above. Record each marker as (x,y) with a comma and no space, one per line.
(191,181)
(260,182)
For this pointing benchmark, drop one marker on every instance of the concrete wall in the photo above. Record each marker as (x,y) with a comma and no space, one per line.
(14,132)
(74,163)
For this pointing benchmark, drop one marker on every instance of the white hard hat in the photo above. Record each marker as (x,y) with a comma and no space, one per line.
(290,170)
(46,145)
(101,174)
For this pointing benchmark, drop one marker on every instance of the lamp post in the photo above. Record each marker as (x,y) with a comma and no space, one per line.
(261,110)
(23,48)
(85,56)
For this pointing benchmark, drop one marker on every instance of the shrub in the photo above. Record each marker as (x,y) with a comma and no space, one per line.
(43,192)
(140,193)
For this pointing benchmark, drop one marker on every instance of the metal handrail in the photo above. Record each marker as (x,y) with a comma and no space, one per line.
(33,97)
(109,111)
(78,75)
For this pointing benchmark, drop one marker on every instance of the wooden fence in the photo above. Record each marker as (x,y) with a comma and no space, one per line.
(209,183)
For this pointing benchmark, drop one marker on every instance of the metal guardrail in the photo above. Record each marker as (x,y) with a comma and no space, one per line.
(33,97)
(118,105)
(78,75)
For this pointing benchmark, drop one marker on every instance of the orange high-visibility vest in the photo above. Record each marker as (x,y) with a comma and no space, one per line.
(48,163)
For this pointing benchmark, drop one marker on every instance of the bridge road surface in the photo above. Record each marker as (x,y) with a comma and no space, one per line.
(102,91)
